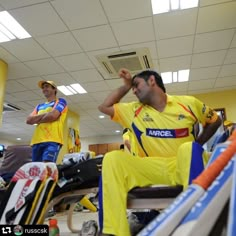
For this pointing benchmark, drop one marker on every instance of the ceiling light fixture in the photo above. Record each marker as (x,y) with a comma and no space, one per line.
(78,88)
(176,76)
(64,90)
(71,89)
(10,29)
(160,6)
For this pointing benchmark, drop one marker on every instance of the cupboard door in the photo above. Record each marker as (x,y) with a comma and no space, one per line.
(93,148)
(113,146)
(102,149)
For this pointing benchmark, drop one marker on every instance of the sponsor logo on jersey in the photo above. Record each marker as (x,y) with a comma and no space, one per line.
(181,116)
(147,117)
(168,133)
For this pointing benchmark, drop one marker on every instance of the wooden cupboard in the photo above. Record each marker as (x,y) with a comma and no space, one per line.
(104,148)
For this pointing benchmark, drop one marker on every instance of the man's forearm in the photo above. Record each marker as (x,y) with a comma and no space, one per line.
(34,119)
(115,96)
(42,118)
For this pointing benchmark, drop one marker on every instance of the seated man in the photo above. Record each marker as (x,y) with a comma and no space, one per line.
(163,127)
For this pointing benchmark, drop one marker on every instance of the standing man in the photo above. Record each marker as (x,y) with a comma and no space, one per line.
(49,118)
(168,151)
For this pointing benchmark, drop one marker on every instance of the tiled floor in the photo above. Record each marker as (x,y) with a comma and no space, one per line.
(78,219)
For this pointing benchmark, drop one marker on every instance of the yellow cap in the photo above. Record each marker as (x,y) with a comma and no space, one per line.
(42,82)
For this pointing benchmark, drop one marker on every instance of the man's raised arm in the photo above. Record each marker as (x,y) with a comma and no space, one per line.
(107,106)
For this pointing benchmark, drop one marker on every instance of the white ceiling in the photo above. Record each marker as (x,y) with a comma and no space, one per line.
(68,34)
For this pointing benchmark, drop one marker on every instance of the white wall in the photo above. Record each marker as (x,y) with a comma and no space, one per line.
(6,143)
(85,142)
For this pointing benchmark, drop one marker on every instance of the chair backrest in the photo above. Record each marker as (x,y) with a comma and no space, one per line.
(14,157)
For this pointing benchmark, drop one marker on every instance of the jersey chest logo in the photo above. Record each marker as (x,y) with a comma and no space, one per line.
(167,133)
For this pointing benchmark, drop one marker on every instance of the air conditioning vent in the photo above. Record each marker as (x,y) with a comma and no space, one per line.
(134,60)
(10,107)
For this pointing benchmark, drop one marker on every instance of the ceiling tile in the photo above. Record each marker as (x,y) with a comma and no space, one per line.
(59,44)
(24,106)
(175,63)
(114,83)
(134,31)
(226,82)
(95,86)
(12,86)
(25,95)
(116,11)
(44,67)
(210,2)
(175,24)
(80,14)
(16,3)
(60,79)
(35,101)
(19,70)
(26,49)
(99,96)
(198,84)
(7,56)
(40,19)
(30,83)
(217,17)
(95,38)
(213,41)
(75,62)
(175,47)
(156,65)
(9,98)
(230,56)
(228,70)
(89,105)
(204,73)
(233,44)
(86,75)
(81,98)
(208,59)
(177,87)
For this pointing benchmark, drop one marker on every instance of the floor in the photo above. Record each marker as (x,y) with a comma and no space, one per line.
(78,219)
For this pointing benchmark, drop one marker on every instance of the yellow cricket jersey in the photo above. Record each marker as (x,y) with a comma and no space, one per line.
(166,130)
(50,131)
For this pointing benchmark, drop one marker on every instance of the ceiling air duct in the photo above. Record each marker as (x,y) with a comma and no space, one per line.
(10,107)
(134,60)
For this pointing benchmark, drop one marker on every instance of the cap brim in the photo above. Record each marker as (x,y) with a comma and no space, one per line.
(40,83)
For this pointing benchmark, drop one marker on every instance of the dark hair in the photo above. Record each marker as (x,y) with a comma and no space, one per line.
(146,75)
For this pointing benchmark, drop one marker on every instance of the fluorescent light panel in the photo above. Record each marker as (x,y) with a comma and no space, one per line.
(71,89)
(176,76)
(163,6)
(183,75)
(10,29)
(78,88)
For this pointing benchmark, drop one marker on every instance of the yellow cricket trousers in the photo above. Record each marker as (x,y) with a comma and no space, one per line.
(121,172)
